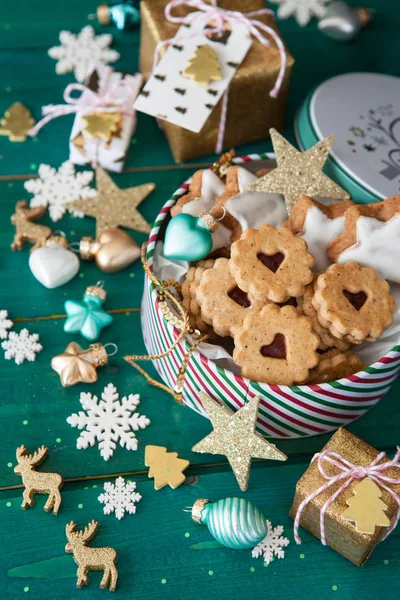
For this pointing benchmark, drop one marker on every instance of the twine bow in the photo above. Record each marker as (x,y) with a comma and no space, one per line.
(213,20)
(105,100)
(348,472)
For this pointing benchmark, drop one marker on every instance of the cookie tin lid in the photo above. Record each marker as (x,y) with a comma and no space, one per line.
(363,110)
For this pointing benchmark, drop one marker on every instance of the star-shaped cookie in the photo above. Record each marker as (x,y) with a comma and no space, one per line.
(299,173)
(113,207)
(234,436)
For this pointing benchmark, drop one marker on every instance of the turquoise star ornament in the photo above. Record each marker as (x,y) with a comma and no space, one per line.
(88,316)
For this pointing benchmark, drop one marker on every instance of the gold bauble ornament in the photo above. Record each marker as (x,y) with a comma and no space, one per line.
(112,252)
(234,436)
(76,365)
(299,173)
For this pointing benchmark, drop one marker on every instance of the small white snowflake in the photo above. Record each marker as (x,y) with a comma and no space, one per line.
(272,545)
(57,188)
(22,346)
(108,421)
(5,324)
(119,497)
(81,52)
(301,10)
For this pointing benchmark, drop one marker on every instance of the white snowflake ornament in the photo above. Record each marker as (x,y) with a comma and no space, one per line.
(119,497)
(5,324)
(83,51)
(22,346)
(108,421)
(301,10)
(55,188)
(272,545)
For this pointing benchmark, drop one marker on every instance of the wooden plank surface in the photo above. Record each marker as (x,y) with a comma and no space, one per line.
(162,553)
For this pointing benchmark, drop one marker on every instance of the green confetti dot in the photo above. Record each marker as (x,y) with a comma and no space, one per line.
(163,581)
(8,504)
(252,569)
(187,534)
(8,88)
(25,422)
(9,464)
(302,555)
(81,275)
(26,588)
(80,505)
(131,275)
(386,562)
(58,440)
(211,572)
(86,487)
(33,166)
(8,26)
(334,587)
(133,141)
(127,314)
(10,185)
(72,233)
(94,486)
(266,564)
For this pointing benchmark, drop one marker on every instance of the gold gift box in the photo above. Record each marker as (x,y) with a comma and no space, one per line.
(251,110)
(341,534)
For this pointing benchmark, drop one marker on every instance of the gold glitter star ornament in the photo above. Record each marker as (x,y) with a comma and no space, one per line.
(299,173)
(113,207)
(234,436)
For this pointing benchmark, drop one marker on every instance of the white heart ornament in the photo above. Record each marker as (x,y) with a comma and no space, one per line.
(53,265)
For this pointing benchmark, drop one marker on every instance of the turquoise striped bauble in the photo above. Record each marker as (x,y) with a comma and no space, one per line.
(233,522)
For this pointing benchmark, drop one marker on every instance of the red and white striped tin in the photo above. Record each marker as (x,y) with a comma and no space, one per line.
(285,411)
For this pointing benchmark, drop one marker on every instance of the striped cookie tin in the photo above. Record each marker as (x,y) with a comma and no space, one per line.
(285,411)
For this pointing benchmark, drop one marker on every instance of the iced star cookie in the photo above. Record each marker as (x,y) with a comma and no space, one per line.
(204,190)
(223,304)
(318,225)
(305,307)
(371,237)
(188,290)
(276,346)
(271,264)
(246,209)
(353,303)
(335,364)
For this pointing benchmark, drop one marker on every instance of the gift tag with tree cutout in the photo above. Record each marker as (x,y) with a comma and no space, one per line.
(366,509)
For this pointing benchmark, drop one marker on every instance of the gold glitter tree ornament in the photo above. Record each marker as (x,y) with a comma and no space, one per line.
(113,207)
(102,125)
(16,123)
(366,509)
(76,365)
(91,559)
(165,467)
(234,436)
(36,482)
(204,66)
(26,230)
(299,173)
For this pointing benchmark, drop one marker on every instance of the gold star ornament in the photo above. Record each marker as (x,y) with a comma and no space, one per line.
(234,436)
(113,207)
(299,173)
(76,365)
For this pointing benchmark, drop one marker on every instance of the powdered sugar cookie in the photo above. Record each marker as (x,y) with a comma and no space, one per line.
(271,264)
(223,304)
(371,237)
(353,303)
(318,225)
(276,346)
(204,190)
(335,365)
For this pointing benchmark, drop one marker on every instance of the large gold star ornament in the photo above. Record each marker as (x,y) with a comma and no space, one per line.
(76,365)
(113,207)
(299,173)
(234,436)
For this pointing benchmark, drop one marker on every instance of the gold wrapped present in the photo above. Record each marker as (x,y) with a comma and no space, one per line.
(349,496)
(251,110)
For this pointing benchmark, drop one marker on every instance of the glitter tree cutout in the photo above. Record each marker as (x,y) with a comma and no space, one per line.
(204,66)
(16,123)
(366,509)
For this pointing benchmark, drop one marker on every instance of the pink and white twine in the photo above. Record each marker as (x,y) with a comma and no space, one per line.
(104,100)
(348,472)
(213,18)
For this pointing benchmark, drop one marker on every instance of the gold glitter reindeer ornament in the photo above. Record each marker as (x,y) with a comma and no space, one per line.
(95,559)
(36,482)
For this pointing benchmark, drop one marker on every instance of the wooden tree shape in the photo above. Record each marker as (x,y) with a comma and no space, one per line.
(165,467)
(204,66)
(366,509)
(16,123)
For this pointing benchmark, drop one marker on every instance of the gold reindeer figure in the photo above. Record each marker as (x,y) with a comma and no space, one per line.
(35,482)
(95,559)
(26,230)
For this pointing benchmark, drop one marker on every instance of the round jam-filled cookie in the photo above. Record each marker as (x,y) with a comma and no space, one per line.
(276,346)
(305,307)
(204,189)
(271,264)
(335,365)
(223,304)
(189,302)
(353,303)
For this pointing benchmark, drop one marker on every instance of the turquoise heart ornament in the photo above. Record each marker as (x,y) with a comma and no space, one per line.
(187,238)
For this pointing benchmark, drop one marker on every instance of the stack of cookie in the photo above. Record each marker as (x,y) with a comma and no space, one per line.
(292,314)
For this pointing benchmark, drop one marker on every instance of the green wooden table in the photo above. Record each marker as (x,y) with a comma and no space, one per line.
(162,553)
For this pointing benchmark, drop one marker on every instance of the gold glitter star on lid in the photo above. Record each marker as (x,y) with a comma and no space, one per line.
(113,207)
(299,173)
(234,436)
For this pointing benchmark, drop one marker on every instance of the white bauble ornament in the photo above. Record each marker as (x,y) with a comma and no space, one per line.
(54,265)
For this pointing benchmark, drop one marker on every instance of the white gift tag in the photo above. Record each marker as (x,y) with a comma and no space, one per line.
(171,97)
